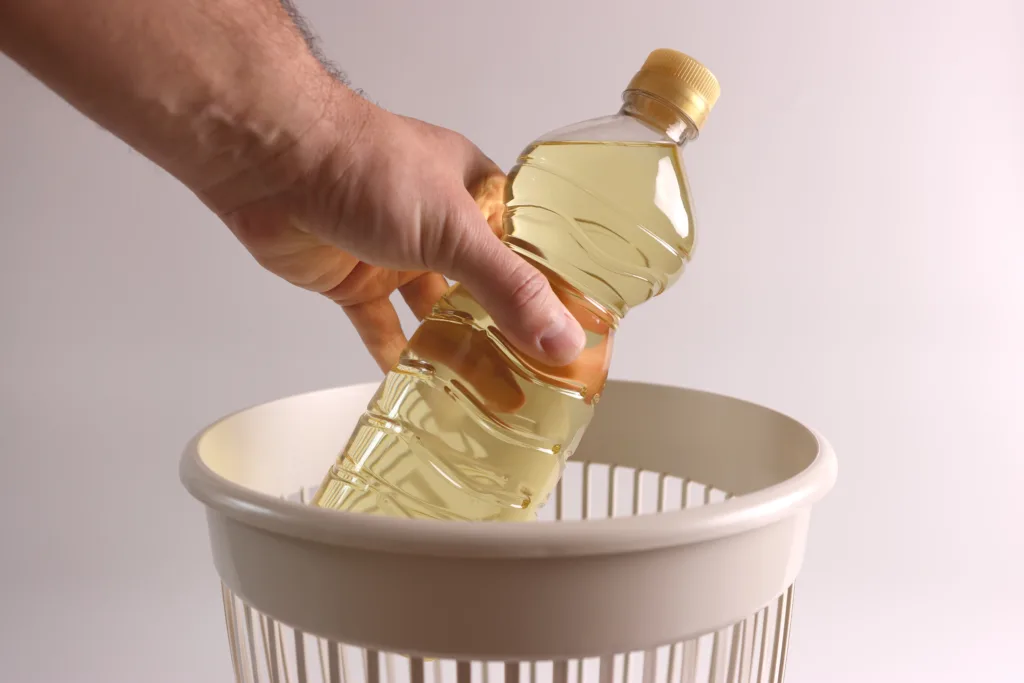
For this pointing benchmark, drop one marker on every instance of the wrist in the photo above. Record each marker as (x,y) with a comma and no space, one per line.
(263,144)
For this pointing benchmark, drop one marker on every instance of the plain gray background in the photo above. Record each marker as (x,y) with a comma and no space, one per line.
(859,190)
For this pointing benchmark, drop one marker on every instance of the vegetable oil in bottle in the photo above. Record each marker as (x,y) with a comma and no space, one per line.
(465,427)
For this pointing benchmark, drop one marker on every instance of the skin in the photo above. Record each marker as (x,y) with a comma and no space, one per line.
(324,189)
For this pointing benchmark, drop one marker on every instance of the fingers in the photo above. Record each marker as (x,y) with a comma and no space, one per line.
(516,294)
(423,292)
(380,330)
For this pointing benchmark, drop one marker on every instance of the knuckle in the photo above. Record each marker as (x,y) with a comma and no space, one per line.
(529,287)
(454,241)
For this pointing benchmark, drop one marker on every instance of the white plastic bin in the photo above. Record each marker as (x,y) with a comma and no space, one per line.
(667,554)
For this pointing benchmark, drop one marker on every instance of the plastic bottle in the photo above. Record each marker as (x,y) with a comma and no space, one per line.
(464,426)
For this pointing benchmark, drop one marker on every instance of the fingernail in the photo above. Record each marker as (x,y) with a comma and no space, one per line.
(563,340)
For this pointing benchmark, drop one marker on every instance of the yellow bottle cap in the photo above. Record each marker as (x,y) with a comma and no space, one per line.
(680,80)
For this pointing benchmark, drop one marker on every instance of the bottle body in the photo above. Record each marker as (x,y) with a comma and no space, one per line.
(465,427)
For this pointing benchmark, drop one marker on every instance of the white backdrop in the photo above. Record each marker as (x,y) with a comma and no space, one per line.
(859,190)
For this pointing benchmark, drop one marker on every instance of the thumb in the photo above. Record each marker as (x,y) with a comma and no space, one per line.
(516,295)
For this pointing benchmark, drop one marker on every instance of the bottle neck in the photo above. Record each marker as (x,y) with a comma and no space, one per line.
(659,114)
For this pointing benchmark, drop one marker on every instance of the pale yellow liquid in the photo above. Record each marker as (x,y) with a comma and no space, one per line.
(465,427)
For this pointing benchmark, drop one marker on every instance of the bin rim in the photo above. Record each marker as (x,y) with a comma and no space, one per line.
(489,540)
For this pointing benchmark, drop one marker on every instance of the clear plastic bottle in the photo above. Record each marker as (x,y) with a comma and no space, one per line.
(466,427)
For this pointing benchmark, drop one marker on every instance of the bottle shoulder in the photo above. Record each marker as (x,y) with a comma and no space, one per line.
(614,128)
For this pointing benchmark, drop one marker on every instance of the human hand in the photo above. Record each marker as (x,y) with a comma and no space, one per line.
(393,209)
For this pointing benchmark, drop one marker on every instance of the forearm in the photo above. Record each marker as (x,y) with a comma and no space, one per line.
(204,88)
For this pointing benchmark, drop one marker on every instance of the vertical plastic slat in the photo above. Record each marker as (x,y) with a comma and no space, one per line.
(763,646)
(586,491)
(229,621)
(674,655)
(662,502)
(758,640)
(780,616)
(333,669)
(691,650)
(300,656)
(637,493)
(416,673)
(559,496)
(784,646)
(251,637)
(762,670)
(747,650)
(726,651)
(262,621)
(372,666)
(613,490)
(789,623)
(650,664)
(322,645)
(561,672)
(717,674)
(734,652)
(282,653)
(270,648)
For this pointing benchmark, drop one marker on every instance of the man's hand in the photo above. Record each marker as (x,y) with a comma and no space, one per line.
(325,189)
(393,209)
